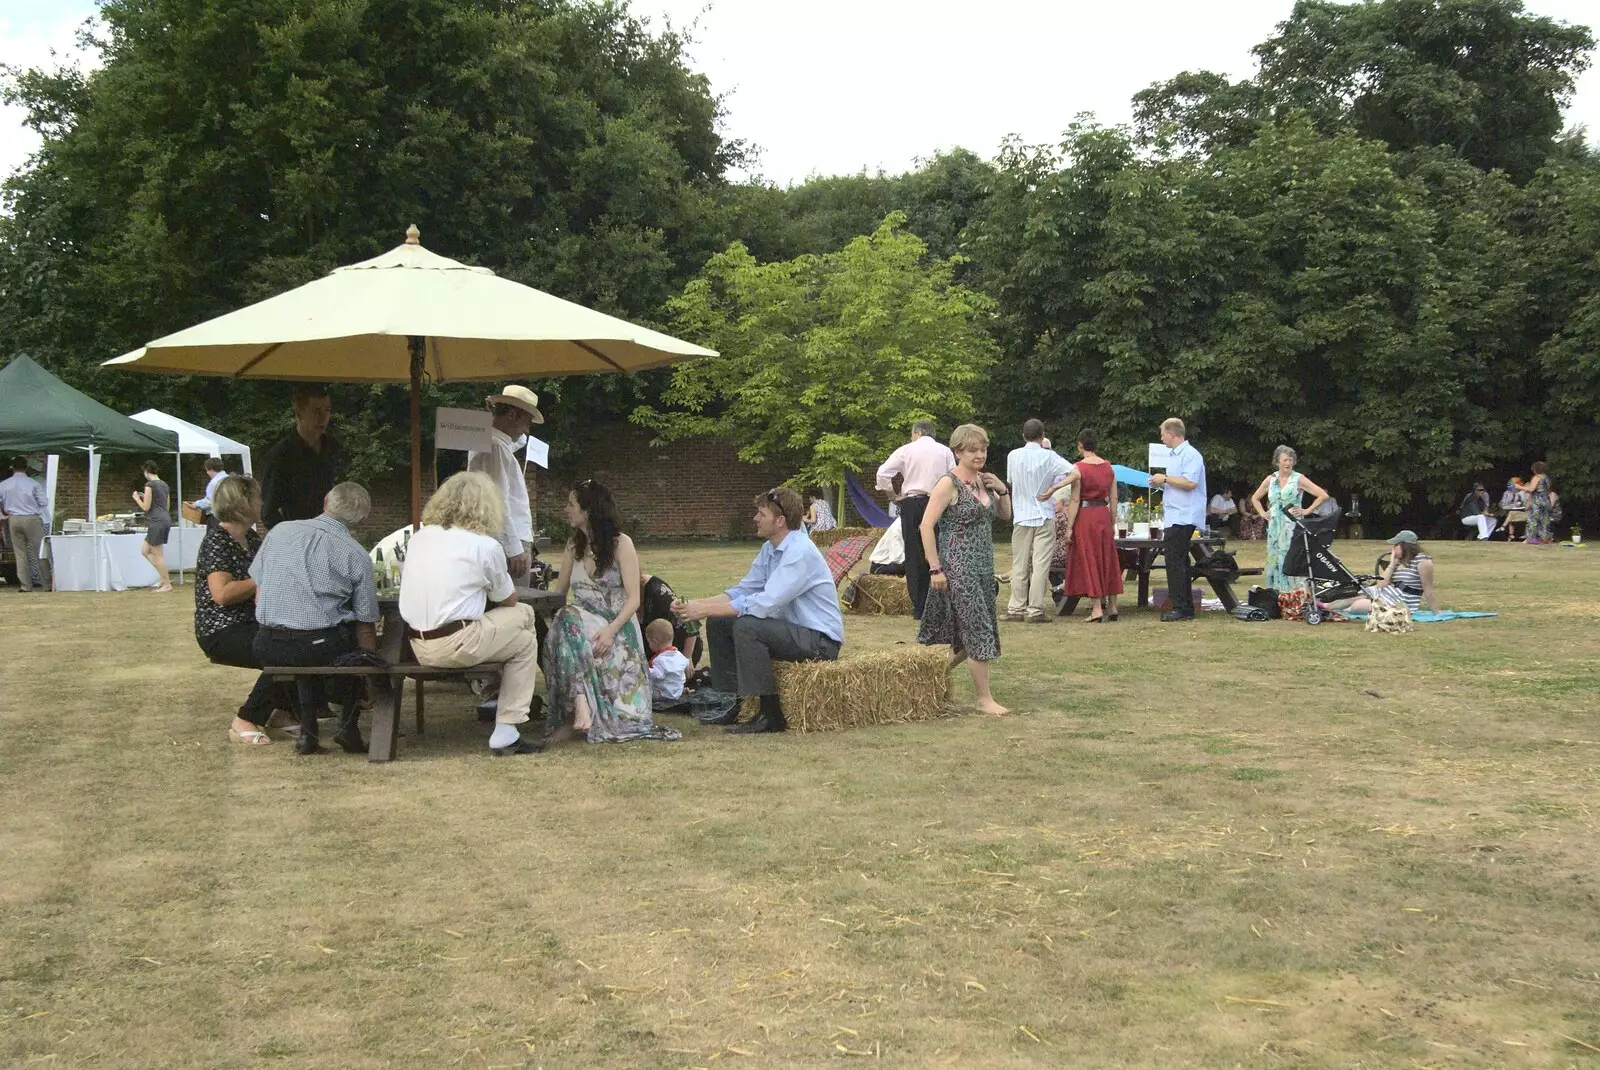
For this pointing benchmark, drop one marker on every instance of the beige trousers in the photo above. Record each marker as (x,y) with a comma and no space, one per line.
(27,533)
(1030,569)
(502,634)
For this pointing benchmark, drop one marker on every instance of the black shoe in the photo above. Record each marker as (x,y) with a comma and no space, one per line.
(762,723)
(1176,615)
(487,710)
(306,743)
(521,746)
(351,742)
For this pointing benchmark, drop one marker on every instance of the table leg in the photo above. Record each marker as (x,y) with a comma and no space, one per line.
(385,739)
(420,703)
(1146,563)
(1069,606)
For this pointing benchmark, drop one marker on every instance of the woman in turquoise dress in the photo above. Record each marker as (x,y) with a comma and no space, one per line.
(1277,498)
(595,667)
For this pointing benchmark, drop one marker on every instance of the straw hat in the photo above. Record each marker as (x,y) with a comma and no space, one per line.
(520,397)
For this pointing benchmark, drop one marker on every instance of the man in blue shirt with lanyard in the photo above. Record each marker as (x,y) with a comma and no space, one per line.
(785,609)
(1183,509)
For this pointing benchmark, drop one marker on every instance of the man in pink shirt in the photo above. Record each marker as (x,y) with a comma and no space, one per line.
(919,464)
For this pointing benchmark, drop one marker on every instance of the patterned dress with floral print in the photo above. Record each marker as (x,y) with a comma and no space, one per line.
(617,687)
(963,615)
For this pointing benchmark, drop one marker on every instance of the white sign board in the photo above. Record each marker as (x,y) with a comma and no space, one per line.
(538,453)
(462,429)
(1160,455)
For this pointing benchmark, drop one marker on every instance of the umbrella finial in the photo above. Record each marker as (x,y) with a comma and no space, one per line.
(413,235)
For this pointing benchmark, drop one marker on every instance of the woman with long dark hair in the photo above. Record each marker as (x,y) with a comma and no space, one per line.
(595,665)
(1092,568)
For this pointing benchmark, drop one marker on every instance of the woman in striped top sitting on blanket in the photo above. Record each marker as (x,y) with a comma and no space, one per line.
(1408,581)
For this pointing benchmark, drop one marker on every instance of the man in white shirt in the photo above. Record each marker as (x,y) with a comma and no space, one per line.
(453,571)
(215,474)
(919,464)
(1030,470)
(1183,509)
(516,410)
(1221,511)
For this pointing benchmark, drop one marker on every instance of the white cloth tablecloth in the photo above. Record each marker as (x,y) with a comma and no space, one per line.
(72,559)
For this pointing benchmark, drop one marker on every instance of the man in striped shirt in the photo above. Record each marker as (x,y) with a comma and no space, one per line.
(1030,470)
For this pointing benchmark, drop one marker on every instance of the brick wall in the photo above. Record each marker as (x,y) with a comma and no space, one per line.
(695,488)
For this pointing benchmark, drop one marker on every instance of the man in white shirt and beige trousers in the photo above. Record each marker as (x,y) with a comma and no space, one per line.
(515,411)
(1031,470)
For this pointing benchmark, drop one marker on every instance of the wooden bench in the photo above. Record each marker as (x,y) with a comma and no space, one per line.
(384,739)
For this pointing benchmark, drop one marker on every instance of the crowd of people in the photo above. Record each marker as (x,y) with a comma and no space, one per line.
(624,645)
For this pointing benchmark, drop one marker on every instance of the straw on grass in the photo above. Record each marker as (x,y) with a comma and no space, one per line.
(884,687)
(879,595)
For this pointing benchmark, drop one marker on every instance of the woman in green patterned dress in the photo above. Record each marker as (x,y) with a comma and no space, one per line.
(595,667)
(958,537)
(1282,492)
(1540,528)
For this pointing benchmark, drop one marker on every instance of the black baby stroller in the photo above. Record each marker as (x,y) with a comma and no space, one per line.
(1310,556)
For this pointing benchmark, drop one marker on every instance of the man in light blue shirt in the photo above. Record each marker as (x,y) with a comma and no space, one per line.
(785,609)
(1183,509)
(26,512)
(215,474)
(1030,470)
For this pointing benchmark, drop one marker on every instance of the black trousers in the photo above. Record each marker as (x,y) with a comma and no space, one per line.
(744,648)
(1176,550)
(281,646)
(911,512)
(236,646)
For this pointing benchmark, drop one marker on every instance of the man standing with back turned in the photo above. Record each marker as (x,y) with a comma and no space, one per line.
(1030,470)
(1183,509)
(919,464)
(515,411)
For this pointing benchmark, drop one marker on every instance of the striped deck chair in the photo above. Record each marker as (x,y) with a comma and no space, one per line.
(845,554)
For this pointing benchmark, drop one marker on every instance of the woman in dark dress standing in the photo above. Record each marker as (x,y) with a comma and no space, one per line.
(1093,570)
(152,501)
(958,537)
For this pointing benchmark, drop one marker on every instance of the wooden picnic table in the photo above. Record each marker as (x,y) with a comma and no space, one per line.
(396,650)
(1146,551)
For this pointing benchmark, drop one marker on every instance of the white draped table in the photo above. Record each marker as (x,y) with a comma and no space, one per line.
(72,559)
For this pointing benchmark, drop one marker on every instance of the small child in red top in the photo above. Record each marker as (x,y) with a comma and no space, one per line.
(668,667)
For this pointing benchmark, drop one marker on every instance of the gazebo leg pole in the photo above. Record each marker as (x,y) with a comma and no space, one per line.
(418,346)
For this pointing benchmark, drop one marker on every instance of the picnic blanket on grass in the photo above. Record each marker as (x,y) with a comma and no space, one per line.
(1427,617)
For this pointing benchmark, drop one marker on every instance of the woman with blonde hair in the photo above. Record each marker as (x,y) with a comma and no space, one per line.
(958,537)
(1277,498)
(460,604)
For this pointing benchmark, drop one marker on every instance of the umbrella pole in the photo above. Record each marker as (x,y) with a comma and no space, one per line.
(417,347)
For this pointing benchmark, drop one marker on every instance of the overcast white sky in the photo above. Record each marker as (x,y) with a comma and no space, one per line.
(832,86)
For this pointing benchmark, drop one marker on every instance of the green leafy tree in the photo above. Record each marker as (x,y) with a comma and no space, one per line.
(826,360)
(227,150)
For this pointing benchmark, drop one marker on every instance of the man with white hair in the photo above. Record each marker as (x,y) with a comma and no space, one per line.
(461,605)
(316,601)
(515,411)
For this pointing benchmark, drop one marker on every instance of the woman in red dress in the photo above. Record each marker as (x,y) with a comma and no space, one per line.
(1093,570)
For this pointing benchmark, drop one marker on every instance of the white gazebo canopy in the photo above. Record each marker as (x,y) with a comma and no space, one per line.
(193,438)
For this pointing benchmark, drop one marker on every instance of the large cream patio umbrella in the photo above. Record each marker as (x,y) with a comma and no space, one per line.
(403,316)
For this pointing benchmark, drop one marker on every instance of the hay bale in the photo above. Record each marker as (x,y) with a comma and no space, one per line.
(824,539)
(881,596)
(898,686)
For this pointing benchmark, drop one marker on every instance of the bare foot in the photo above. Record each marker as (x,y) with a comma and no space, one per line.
(164,589)
(992,709)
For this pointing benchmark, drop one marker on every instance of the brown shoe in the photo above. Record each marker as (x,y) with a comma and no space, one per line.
(1014,618)
(1038,618)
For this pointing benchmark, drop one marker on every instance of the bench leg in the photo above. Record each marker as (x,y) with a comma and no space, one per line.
(421,691)
(385,738)
(1069,606)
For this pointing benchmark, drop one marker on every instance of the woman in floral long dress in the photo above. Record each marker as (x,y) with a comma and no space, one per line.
(1540,528)
(595,667)
(958,537)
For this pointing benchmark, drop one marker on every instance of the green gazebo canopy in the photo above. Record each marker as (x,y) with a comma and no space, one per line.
(41,414)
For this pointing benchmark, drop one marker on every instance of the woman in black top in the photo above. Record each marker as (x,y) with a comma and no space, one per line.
(655,603)
(225,600)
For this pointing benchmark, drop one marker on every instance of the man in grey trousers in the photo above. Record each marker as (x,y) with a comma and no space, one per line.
(785,609)
(26,512)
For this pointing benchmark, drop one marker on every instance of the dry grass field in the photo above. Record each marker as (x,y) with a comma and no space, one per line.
(1208,845)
